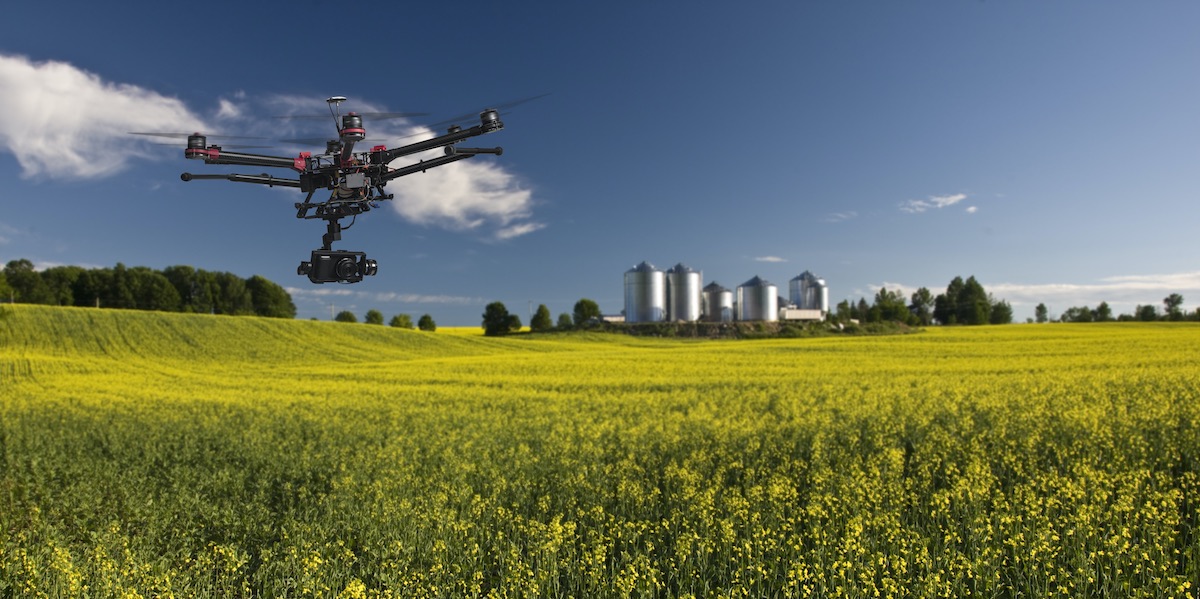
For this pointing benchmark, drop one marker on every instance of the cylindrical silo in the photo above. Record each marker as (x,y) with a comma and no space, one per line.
(717,303)
(758,299)
(683,294)
(808,292)
(645,294)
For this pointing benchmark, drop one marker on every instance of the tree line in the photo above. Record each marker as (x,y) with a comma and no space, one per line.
(497,320)
(400,321)
(1172,311)
(963,302)
(172,289)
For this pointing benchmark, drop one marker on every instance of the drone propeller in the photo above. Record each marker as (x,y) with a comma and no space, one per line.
(177,135)
(367,115)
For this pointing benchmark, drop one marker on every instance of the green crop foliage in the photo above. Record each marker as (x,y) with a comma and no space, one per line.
(171,455)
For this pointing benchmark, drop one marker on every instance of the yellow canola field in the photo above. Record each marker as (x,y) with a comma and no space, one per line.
(167,455)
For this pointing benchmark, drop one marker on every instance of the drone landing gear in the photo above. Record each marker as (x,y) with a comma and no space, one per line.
(328,265)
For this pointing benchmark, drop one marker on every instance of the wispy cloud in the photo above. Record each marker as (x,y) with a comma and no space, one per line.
(769,259)
(838,217)
(972,209)
(932,203)
(62,122)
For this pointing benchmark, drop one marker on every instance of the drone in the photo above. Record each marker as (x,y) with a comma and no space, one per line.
(355,181)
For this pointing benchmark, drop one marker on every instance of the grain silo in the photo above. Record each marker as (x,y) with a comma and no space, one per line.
(808,292)
(717,303)
(758,299)
(645,294)
(683,294)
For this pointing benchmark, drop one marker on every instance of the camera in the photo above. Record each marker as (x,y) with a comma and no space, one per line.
(337,266)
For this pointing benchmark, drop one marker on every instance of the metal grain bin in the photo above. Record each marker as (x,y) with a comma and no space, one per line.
(683,294)
(645,294)
(758,299)
(808,292)
(717,303)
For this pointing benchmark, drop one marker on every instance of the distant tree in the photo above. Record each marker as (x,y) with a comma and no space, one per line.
(152,291)
(197,288)
(1077,314)
(1173,304)
(1002,313)
(844,312)
(541,319)
(233,297)
(426,323)
(6,292)
(60,282)
(28,286)
(345,316)
(497,320)
(890,307)
(921,306)
(945,305)
(1041,313)
(565,322)
(401,321)
(862,310)
(270,299)
(586,310)
(1147,313)
(974,304)
(1103,313)
(373,316)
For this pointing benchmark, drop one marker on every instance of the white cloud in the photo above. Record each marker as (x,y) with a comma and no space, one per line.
(62,122)
(972,209)
(934,202)
(769,259)
(838,217)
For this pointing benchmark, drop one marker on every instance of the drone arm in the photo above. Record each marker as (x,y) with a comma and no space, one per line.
(263,179)
(423,166)
(489,121)
(215,155)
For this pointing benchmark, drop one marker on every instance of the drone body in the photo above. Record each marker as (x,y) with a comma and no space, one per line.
(355,180)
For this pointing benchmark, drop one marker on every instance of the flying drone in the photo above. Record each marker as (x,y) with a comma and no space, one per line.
(355,180)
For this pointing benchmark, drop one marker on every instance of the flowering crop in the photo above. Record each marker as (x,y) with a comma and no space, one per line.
(197,456)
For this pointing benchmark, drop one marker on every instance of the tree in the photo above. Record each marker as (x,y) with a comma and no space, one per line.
(401,321)
(1172,304)
(233,297)
(60,282)
(497,321)
(1103,313)
(426,323)
(271,300)
(922,306)
(6,292)
(1077,314)
(974,304)
(345,316)
(1041,313)
(890,307)
(586,311)
(945,305)
(564,321)
(27,285)
(1002,313)
(152,291)
(541,319)
(373,317)
(1147,313)
(844,312)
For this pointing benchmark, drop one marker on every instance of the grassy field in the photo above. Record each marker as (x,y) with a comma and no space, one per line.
(169,455)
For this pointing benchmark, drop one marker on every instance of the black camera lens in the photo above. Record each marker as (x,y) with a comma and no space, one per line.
(346,268)
(370,267)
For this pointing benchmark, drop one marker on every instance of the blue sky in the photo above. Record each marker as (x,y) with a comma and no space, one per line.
(1049,149)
